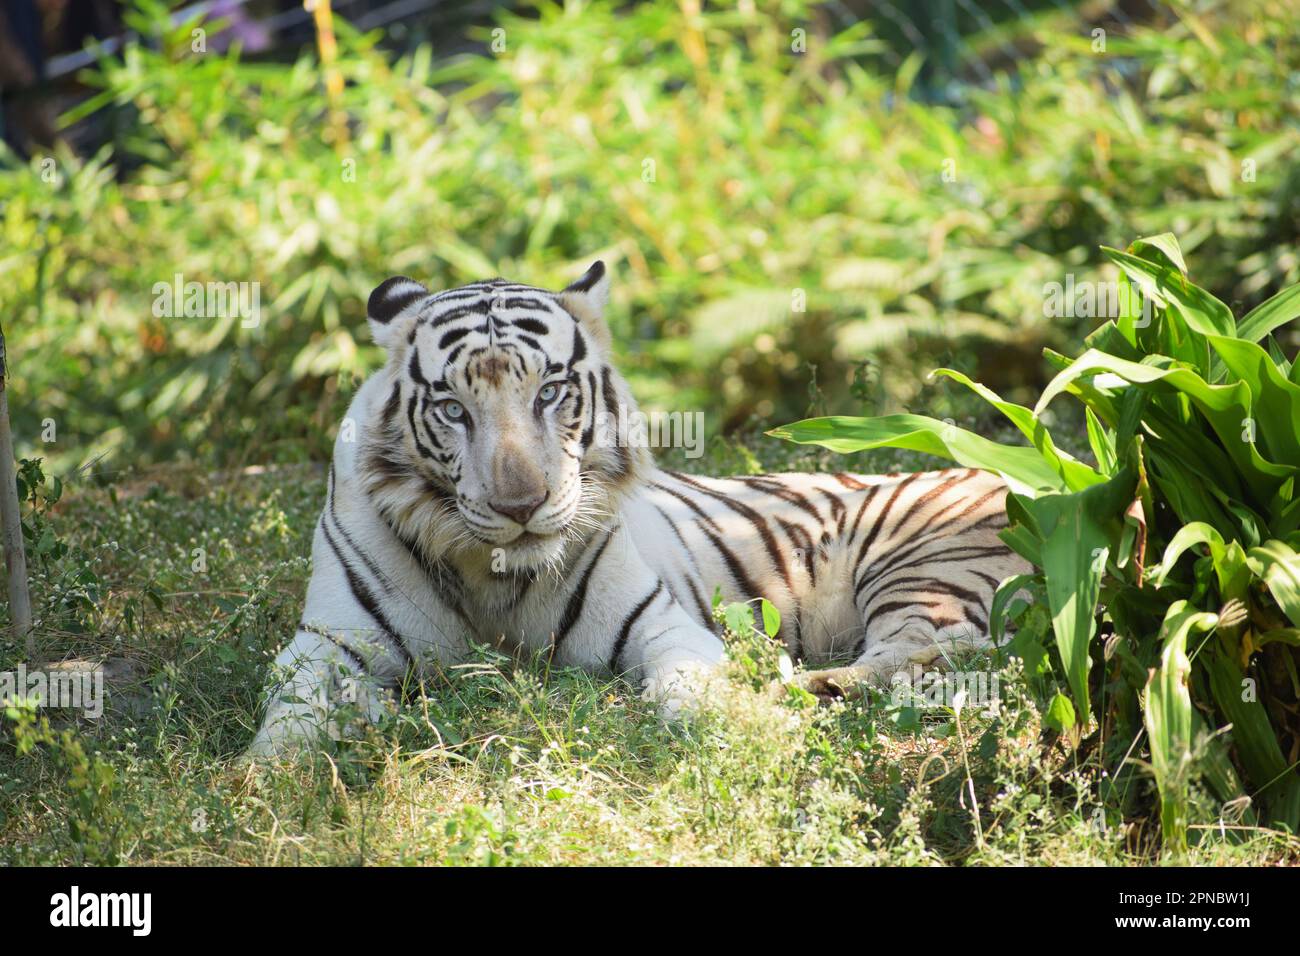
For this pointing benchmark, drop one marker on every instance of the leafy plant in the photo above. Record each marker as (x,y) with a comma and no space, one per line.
(1194,424)
(93,820)
(67,588)
(750,628)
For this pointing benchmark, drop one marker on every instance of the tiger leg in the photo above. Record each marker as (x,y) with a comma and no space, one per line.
(320,678)
(677,659)
(352,649)
(656,643)
(664,650)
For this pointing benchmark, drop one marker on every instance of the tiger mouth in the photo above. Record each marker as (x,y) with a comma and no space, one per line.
(529,551)
(527,538)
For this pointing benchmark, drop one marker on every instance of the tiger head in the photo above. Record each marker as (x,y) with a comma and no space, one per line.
(492,443)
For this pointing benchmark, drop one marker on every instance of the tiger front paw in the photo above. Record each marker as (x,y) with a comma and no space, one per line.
(678,691)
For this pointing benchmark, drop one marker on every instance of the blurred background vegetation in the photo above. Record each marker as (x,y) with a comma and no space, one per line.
(806,206)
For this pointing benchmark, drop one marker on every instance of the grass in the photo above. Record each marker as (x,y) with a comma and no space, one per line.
(495,762)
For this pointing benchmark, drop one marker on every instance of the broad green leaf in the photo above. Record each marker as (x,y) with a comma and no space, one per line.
(1132,407)
(1027,643)
(1171,335)
(1279,565)
(1165,248)
(1269,315)
(1169,719)
(1168,287)
(1022,468)
(1134,325)
(771,617)
(1022,542)
(1059,715)
(1074,473)
(1105,403)
(1102,443)
(1002,598)
(1276,406)
(1233,573)
(1288,520)
(738,617)
(1022,534)
(1226,407)
(1073,563)
(1109,337)
(1198,532)
(1227,559)
(1191,499)
(1253,738)
(1278,356)
(1074,552)
(1191,452)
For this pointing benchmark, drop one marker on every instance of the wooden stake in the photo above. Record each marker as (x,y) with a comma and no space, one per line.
(20,600)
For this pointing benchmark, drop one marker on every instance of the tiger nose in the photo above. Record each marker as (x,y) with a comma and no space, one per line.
(520,511)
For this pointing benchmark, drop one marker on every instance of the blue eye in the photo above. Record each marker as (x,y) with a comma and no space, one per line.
(453,410)
(548,392)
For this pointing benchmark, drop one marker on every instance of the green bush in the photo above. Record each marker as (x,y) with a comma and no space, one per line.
(1195,431)
(716,169)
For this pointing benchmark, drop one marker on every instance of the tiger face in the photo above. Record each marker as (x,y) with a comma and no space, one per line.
(497,399)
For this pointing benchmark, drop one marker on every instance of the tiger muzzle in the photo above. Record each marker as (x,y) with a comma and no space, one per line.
(519,487)
(518,511)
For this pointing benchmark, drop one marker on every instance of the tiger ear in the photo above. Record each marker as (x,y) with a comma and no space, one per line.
(391,311)
(585,301)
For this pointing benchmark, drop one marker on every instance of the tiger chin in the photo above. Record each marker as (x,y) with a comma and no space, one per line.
(478,493)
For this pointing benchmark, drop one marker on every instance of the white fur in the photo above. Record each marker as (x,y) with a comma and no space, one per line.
(412,563)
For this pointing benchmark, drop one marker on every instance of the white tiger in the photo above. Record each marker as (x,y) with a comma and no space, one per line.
(476,495)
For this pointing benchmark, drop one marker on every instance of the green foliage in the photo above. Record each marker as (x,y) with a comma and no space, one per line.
(750,628)
(62,577)
(1196,432)
(773,173)
(93,821)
